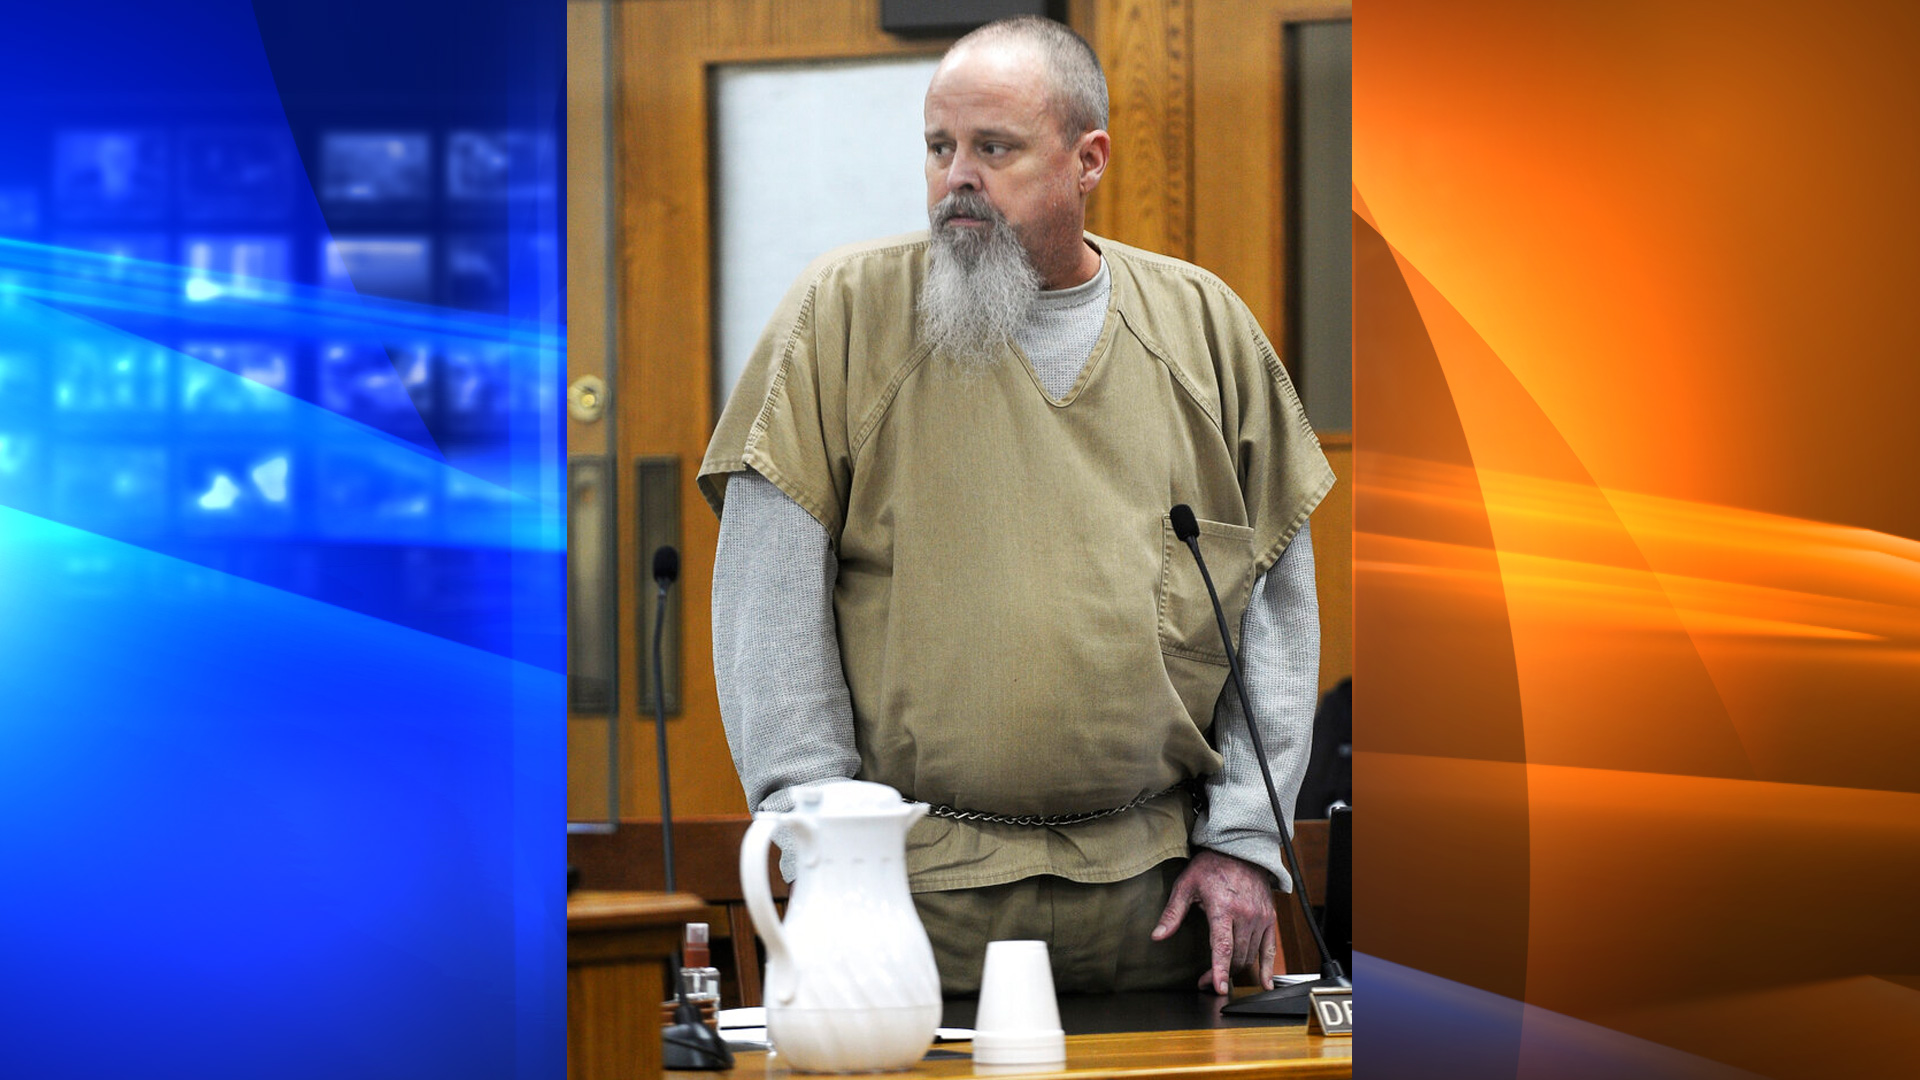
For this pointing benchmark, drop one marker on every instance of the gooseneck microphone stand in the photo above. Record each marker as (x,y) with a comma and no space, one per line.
(688,1043)
(1294,999)
(666,570)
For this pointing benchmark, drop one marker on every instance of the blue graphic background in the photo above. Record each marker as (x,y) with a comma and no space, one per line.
(281,539)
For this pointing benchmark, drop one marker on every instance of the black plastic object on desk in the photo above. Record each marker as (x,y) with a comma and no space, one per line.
(1140,1010)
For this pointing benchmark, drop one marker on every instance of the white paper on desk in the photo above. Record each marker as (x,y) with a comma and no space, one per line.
(1292,980)
(750,1025)
(759,1035)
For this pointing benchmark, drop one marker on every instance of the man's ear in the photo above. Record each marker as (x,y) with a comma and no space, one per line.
(1091,152)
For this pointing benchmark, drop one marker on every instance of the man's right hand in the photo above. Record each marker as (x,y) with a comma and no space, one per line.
(1238,899)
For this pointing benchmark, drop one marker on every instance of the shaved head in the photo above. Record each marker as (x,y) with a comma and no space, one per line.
(1079,88)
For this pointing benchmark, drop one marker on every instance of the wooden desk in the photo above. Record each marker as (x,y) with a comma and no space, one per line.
(1153,1033)
(1239,1053)
(618,947)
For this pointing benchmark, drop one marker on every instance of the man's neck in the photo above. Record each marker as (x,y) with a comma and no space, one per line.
(1073,271)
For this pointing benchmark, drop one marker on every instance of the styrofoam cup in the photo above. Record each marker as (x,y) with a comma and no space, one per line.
(1018,1020)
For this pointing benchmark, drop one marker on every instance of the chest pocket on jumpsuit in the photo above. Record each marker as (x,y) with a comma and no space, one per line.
(1187,628)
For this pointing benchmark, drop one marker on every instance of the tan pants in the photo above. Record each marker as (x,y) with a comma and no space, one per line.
(1098,936)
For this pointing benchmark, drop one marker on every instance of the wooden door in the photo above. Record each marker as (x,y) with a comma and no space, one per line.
(662,56)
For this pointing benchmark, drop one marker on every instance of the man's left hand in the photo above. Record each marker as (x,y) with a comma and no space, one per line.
(1238,899)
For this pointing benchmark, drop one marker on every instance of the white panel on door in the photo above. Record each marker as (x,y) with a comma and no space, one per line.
(807,156)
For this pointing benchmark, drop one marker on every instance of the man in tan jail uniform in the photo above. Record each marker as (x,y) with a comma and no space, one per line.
(945,562)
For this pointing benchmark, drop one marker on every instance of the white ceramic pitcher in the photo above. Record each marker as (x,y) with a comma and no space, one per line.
(851,984)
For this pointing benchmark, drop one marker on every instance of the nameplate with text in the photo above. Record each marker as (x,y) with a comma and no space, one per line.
(1332,1012)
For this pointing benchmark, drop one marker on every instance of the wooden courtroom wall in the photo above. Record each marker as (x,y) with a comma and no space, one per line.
(1197,121)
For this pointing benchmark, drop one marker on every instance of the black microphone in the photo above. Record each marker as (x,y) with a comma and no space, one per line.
(1185,529)
(688,1043)
(1294,999)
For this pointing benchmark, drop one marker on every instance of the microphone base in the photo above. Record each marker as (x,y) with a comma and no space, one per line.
(1292,1000)
(690,1045)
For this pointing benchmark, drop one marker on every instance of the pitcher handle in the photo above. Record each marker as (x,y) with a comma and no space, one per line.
(754,851)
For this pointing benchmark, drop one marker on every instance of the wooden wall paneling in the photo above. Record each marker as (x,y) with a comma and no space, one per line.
(706,857)
(1145,199)
(812,29)
(1239,136)
(1238,229)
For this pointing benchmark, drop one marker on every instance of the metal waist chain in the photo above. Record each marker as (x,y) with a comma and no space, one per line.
(952,814)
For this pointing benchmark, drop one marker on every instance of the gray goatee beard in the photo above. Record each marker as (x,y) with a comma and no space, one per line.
(980,284)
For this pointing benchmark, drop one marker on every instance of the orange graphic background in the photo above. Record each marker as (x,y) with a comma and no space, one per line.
(1637,493)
